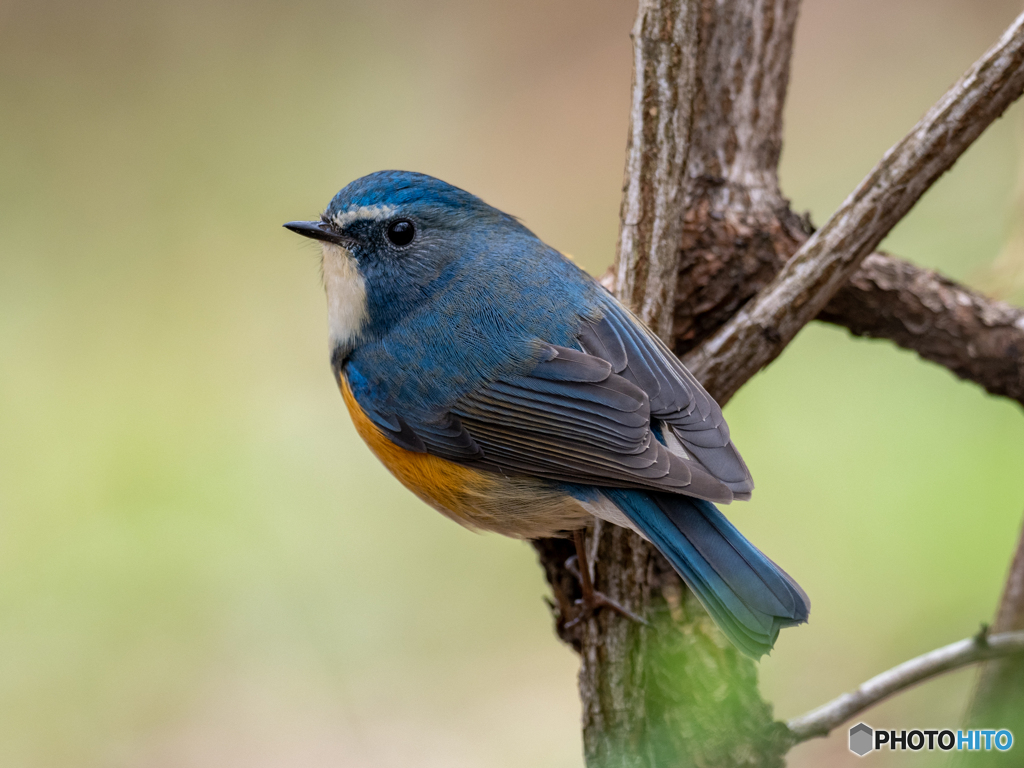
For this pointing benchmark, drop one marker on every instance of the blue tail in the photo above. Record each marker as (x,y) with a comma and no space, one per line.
(748,596)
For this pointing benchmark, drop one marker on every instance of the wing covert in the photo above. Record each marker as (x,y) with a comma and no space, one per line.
(677,398)
(573,419)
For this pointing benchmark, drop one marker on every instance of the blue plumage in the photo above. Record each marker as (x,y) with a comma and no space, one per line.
(408,188)
(748,596)
(410,358)
(513,393)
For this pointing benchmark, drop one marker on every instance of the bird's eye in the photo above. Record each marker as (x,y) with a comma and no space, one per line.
(401,232)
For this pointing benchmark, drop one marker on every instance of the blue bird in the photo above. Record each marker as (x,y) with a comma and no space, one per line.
(511,392)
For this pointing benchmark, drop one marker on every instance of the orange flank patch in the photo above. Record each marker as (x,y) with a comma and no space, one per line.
(519,506)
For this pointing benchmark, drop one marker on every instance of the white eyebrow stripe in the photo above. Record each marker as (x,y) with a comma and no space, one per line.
(365,212)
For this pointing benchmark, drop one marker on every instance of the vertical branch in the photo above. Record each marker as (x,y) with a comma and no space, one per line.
(704,225)
(999,695)
(700,216)
(738,230)
(653,200)
(615,687)
(743,81)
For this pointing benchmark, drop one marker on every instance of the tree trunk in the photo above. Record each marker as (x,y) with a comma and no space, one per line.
(704,227)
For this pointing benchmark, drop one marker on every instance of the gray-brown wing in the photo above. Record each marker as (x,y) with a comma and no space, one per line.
(677,399)
(573,419)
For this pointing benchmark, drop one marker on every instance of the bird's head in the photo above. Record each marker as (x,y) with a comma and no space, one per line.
(387,240)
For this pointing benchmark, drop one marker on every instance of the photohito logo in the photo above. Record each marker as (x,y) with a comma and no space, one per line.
(865,739)
(861,739)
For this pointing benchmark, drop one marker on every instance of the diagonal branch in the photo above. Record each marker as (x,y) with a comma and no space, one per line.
(977,338)
(981,648)
(761,329)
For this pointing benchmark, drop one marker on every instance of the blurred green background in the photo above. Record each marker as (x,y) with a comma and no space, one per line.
(200,565)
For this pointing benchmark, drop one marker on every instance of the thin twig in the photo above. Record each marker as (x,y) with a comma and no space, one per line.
(763,328)
(979,648)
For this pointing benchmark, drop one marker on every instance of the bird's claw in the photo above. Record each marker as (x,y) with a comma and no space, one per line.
(588,606)
(592,599)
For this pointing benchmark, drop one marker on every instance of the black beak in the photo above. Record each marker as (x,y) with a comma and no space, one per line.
(318,230)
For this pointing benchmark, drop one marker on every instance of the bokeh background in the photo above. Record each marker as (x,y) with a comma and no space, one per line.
(200,565)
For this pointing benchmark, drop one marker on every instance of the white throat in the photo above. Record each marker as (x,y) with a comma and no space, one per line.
(346,295)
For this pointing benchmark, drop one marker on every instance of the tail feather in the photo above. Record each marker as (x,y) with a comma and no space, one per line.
(748,595)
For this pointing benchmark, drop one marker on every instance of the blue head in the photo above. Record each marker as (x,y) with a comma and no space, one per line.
(390,241)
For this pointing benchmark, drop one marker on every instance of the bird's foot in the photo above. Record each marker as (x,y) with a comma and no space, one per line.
(592,599)
(588,605)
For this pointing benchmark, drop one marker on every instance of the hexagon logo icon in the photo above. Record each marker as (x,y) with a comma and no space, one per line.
(861,739)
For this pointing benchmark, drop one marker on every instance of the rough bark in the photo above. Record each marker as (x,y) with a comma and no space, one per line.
(977,338)
(674,693)
(738,229)
(653,198)
(716,138)
(761,329)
